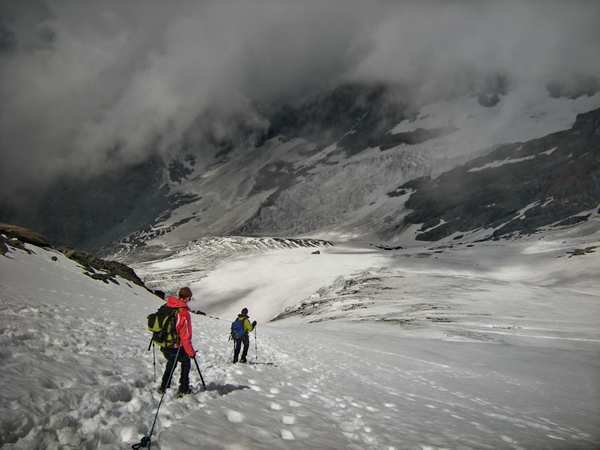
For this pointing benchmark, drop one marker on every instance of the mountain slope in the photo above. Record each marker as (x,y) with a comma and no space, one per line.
(314,175)
(517,188)
(318,167)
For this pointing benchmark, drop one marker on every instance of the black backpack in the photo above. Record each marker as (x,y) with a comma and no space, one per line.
(162,324)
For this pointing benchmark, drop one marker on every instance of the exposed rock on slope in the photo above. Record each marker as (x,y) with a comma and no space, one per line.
(24,235)
(515,189)
(15,237)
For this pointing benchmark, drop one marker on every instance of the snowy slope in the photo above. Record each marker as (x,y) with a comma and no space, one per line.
(168,270)
(519,117)
(517,188)
(483,346)
(72,349)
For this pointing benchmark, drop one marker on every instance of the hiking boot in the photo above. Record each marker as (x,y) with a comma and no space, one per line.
(161,390)
(243,360)
(183,391)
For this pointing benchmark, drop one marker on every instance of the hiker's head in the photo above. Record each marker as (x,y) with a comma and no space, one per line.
(245,311)
(185,293)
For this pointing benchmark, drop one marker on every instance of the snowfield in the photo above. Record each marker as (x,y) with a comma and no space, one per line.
(492,345)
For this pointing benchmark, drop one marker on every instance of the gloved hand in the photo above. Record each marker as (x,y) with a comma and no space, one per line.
(253,324)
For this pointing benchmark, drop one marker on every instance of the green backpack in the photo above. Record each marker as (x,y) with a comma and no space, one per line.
(162,325)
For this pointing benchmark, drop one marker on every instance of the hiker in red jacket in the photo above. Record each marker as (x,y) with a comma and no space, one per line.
(183,344)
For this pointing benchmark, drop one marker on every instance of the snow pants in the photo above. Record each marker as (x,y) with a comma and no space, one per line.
(237,344)
(184,379)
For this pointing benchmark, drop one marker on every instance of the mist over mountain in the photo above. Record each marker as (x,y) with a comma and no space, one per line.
(269,117)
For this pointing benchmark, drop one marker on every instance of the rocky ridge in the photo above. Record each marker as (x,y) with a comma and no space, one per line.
(14,237)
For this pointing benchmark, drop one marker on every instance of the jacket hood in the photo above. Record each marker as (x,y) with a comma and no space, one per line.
(175,302)
(242,316)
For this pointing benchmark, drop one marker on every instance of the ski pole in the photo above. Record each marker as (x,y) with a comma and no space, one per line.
(146,441)
(215,317)
(150,343)
(200,373)
(202,313)
(154,361)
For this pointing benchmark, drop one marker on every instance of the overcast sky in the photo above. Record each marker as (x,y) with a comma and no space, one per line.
(90,85)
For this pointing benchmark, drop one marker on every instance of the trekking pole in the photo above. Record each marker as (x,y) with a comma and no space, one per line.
(214,317)
(154,361)
(150,343)
(255,347)
(146,441)
(200,373)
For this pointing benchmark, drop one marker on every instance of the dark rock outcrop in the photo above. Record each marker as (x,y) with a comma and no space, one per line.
(103,270)
(368,110)
(24,235)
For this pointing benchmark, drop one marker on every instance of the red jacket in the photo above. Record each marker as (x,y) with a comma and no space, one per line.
(184,324)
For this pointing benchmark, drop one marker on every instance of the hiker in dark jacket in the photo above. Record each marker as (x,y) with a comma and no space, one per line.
(183,350)
(243,338)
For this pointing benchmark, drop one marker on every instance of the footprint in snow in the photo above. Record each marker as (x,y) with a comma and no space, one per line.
(287,435)
(275,406)
(234,416)
(288,420)
(507,439)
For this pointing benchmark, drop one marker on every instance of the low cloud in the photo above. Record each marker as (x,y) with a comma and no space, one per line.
(89,86)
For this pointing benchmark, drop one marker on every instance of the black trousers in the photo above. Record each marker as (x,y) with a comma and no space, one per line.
(184,378)
(237,344)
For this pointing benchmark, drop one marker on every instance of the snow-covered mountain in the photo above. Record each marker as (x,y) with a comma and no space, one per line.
(322,167)
(516,188)
(327,168)
(484,345)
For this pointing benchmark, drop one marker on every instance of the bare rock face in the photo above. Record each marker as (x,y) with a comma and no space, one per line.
(24,235)
(100,269)
(517,188)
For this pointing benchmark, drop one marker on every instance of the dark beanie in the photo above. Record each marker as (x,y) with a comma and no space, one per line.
(185,292)
(245,311)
